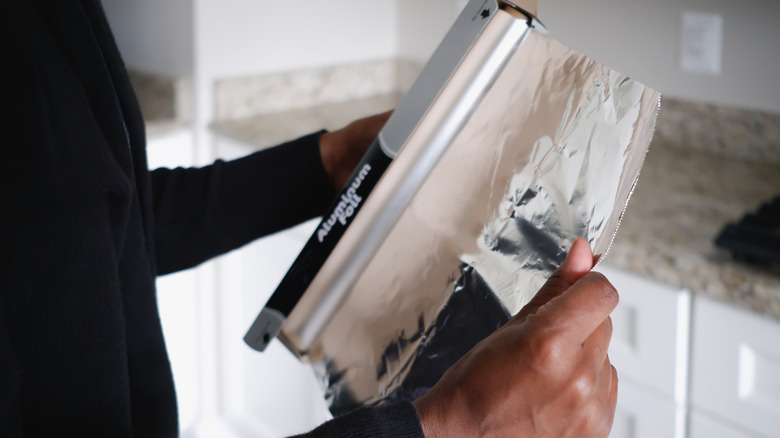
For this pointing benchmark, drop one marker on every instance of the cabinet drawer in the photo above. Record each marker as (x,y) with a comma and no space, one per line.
(650,328)
(705,427)
(270,393)
(642,415)
(736,366)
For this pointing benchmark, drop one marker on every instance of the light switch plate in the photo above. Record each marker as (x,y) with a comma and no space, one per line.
(701,43)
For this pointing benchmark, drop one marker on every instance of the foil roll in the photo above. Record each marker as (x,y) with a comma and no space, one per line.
(552,152)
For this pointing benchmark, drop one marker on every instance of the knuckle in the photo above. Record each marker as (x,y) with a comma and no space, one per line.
(556,281)
(608,291)
(550,350)
(591,418)
(583,387)
(593,421)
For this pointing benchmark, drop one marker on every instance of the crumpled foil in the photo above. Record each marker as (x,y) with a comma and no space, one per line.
(552,152)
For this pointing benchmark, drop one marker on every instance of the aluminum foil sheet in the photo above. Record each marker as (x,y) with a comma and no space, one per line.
(552,152)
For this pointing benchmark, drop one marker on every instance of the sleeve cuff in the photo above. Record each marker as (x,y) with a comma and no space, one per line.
(390,421)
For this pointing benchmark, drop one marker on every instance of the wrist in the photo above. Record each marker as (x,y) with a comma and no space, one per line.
(428,419)
(326,151)
(443,420)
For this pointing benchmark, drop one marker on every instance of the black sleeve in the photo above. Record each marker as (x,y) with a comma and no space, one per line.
(10,379)
(397,420)
(200,213)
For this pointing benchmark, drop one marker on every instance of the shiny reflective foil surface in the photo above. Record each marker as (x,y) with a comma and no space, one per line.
(552,152)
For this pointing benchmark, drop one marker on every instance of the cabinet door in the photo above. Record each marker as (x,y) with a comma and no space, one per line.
(642,415)
(270,393)
(172,149)
(736,366)
(650,324)
(177,294)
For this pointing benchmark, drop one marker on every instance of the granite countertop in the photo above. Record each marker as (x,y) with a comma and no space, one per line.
(683,199)
(271,129)
(164,102)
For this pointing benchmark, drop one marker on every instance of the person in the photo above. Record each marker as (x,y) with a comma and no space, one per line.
(87,228)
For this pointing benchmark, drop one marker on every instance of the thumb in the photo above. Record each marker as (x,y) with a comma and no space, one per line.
(579,262)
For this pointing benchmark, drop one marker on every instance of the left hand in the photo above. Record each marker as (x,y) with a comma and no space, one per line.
(544,374)
(343,149)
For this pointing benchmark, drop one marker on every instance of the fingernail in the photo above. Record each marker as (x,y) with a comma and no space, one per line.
(573,245)
(579,262)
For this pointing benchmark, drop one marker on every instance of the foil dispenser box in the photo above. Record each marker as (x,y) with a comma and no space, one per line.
(507,147)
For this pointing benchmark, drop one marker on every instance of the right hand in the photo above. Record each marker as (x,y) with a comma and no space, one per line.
(529,5)
(342,150)
(543,374)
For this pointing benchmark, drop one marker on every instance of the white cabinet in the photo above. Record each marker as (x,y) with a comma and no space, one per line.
(171,149)
(649,350)
(704,368)
(649,332)
(177,294)
(736,367)
(642,415)
(270,393)
(705,427)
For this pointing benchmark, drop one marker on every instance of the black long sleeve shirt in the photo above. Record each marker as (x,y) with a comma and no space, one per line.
(85,229)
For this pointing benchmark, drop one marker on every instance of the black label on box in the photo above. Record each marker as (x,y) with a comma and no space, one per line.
(334,223)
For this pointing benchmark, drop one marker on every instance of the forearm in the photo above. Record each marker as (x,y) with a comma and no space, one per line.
(203,212)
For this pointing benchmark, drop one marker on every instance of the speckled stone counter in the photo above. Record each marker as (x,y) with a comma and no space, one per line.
(682,202)
(164,102)
(271,129)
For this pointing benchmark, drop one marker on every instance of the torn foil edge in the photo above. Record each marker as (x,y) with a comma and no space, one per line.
(633,186)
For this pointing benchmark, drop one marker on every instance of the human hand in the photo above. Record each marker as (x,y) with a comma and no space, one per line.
(545,373)
(529,6)
(342,150)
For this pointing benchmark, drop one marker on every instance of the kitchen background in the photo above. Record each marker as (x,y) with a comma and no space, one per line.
(697,334)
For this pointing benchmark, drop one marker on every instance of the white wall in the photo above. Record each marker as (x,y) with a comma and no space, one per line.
(641,38)
(249,37)
(637,37)
(154,36)
(422,25)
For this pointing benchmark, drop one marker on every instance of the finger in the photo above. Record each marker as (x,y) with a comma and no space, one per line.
(594,390)
(613,389)
(597,344)
(362,132)
(577,263)
(606,396)
(529,6)
(605,381)
(579,310)
(612,395)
